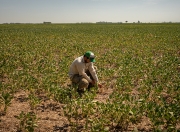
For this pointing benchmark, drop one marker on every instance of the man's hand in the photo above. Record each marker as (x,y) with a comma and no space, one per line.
(96,84)
(93,82)
(99,85)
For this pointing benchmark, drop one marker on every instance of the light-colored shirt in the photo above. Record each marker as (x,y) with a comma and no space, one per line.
(79,67)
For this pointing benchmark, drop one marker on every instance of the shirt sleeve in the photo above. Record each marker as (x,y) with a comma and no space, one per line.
(81,70)
(93,72)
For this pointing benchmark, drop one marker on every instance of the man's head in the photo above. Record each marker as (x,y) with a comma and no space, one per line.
(89,56)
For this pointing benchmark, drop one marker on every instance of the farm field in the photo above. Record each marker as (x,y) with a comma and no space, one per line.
(138,65)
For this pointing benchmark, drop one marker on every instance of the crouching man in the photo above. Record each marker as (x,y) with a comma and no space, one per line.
(82,72)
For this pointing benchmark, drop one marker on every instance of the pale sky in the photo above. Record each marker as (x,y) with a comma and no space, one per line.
(75,11)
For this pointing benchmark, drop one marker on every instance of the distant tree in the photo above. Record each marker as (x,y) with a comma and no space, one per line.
(126,21)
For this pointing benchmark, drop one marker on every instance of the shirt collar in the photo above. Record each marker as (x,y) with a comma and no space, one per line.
(83,59)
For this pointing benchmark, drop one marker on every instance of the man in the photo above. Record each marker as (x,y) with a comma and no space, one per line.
(82,72)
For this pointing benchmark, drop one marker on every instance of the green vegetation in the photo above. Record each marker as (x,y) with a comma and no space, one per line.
(140,62)
(5,100)
(27,122)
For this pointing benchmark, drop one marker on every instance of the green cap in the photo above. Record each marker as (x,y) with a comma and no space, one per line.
(90,55)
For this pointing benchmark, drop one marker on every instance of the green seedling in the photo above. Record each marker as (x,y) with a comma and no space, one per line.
(33,100)
(6,100)
(28,121)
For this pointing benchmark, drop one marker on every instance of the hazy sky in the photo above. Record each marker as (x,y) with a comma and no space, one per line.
(72,11)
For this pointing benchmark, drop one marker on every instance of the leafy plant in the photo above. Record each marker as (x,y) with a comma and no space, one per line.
(28,122)
(6,99)
(33,100)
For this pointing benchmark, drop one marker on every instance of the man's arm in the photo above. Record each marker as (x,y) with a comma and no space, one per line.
(95,82)
(81,70)
(93,72)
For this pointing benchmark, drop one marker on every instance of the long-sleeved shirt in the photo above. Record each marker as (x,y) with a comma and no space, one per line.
(79,67)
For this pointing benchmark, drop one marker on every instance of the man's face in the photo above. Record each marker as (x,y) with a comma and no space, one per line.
(86,59)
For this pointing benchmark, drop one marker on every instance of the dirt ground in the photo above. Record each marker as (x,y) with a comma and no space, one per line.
(50,114)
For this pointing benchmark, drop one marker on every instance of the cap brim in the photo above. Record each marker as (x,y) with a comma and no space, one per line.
(92,59)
